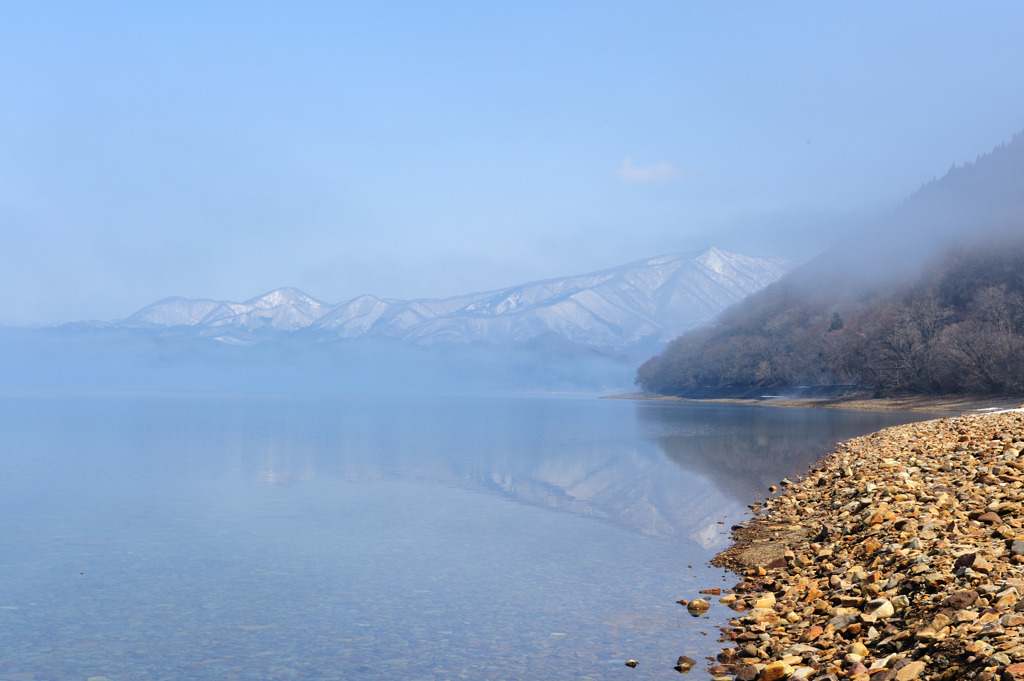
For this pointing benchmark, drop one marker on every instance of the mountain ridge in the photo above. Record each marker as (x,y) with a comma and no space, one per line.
(642,302)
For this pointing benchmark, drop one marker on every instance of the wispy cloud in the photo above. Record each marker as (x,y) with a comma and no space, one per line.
(655,172)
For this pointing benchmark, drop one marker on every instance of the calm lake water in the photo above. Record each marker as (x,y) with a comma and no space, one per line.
(376,538)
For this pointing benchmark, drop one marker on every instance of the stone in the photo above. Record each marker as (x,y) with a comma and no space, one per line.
(858,648)
(911,671)
(990,518)
(774,671)
(960,600)
(1015,672)
(813,632)
(880,608)
(698,606)
(748,673)
(841,622)
(895,572)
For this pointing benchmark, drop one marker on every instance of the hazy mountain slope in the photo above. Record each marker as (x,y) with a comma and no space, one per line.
(929,300)
(286,309)
(174,311)
(645,302)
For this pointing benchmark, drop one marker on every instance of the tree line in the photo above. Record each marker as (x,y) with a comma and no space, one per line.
(958,327)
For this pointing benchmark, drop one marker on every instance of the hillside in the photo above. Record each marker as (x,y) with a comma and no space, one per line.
(930,300)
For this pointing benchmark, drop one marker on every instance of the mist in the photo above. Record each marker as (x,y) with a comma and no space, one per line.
(217,151)
(46,361)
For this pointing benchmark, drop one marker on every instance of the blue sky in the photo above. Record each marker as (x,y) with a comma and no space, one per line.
(414,149)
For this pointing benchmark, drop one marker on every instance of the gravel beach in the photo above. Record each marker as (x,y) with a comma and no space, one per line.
(900,556)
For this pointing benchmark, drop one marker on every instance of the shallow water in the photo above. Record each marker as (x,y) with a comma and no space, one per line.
(376,538)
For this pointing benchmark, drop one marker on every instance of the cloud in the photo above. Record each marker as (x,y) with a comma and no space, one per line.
(655,172)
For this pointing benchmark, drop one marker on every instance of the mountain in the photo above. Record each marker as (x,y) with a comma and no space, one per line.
(641,304)
(928,300)
(285,309)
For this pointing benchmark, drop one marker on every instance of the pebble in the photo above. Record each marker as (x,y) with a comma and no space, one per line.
(899,557)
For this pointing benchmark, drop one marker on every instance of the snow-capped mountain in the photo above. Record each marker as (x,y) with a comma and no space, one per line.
(285,309)
(645,302)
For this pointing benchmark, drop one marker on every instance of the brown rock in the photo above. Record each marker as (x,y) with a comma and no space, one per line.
(811,634)
(911,671)
(1015,672)
(960,600)
(748,673)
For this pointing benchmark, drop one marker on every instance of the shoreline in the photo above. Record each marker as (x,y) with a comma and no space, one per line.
(900,556)
(954,404)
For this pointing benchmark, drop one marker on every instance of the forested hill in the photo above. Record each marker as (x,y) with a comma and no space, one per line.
(930,300)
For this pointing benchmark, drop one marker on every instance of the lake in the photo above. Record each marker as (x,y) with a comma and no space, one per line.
(226,537)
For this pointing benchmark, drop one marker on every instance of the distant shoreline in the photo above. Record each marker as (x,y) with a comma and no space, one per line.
(856,401)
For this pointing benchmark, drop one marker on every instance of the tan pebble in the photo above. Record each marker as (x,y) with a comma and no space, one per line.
(774,671)
(858,648)
(935,629)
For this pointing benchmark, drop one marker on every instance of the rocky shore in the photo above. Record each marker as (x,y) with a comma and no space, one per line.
(899,557)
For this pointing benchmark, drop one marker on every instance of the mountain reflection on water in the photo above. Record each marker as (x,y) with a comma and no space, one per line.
(211,537)
(681,470)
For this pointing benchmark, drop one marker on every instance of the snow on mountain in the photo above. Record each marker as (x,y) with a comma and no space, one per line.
(645,302)
(172,312)
(285,309)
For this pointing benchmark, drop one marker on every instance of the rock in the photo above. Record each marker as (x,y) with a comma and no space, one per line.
(698,606)
(959,600)
(631,663)
(911,671)
(880,608)
(990,518)
(748,673)
(904,560)
(842,622)
(858,648)
(774,671)
(934,628)
(1015,672)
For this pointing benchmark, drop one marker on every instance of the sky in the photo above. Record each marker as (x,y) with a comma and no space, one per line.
(427,149)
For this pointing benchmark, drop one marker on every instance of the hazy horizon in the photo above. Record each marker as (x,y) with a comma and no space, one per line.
(222,151)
